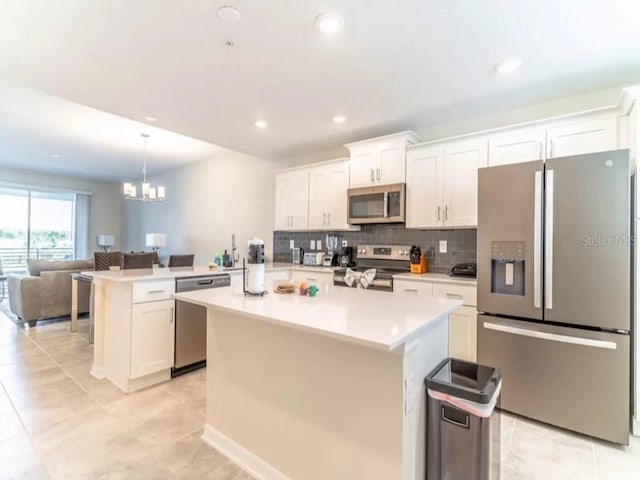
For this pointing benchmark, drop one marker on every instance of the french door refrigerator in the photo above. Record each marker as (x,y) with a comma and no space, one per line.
(554,259)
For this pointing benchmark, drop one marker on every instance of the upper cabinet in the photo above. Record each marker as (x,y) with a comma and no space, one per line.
(292,200)
(538,143)
(442,186)
(328,186)
(515,146)
(587,137)
(380,161)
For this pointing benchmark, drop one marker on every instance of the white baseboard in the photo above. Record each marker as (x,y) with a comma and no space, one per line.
(97,372)
(239,455)
(635,427)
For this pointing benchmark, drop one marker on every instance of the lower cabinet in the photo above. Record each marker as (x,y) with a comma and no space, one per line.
(152,337)
(462,322)
(462,333)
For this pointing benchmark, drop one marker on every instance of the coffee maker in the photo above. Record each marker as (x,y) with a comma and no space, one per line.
(347,257)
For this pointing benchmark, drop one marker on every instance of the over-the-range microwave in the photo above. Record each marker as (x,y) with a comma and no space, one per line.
(379,204)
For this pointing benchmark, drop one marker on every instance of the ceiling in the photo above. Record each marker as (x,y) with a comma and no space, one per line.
(394,65)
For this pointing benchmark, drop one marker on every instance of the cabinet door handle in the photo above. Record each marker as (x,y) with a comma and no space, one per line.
(446,213)
(292,220)
(551,149)
(454,295)
(412,290)
(378,174)
(328,218)
(372,177)
(438,212)
(324,219)
(150,292)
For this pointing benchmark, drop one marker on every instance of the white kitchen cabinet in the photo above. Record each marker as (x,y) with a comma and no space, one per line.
(462,333)
(292,200)
(516,146)
(152,337)
(424,289)
(442,183)
(328,186)
(380,161)
(310,277)
(424,187)
(585,137)
(460,181)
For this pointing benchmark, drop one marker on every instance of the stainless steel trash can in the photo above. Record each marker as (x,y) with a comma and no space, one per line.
(463,434)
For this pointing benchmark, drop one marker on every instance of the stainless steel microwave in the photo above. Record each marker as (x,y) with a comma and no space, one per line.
(380,204)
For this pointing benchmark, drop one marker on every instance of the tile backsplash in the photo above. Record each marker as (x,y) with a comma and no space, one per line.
(461,244)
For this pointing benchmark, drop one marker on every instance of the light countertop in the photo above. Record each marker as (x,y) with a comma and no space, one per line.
(436,277)
(169,273)
(381,320)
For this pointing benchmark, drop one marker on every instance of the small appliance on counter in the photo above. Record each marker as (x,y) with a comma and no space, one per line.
(313,259)
(297,255)
(347,257)
(463,270)
(255,271)
(330,260)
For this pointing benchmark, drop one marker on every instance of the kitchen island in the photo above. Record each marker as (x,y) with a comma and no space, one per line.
(329,387)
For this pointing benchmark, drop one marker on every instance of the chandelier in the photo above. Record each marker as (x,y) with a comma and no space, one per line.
(149,193)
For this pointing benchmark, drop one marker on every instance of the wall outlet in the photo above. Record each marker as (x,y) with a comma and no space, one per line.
(312,245)
(292,243)
(319,244)
(443,246)
(345,243)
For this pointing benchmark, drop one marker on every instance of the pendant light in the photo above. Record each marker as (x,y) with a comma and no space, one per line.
(148,193)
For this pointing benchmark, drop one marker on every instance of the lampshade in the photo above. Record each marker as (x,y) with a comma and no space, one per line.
(106,240)
(156,240)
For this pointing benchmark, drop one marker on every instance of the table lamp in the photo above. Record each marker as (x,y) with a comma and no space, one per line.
(106,241)
(156,240)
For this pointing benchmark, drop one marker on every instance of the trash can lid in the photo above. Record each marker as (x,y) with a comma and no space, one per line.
(466,380)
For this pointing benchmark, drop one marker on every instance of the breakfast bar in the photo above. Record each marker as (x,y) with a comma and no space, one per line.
(323,387)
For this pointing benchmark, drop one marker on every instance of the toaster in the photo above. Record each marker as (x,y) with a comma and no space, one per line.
(463,270)
(313,259)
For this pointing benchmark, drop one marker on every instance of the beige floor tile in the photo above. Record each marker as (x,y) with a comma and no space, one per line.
(616,462)
(5,403)
(10,426)
(25,380)
(190,457)
(66,352)
(538,453)
(191,386)
(164,429)
(19,460)
(141,406)
(226,471)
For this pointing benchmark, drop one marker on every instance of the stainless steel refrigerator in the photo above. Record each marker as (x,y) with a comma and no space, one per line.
(554,259)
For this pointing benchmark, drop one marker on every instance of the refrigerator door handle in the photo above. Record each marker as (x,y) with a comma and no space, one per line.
(554,337)
(537,241)
(548,237)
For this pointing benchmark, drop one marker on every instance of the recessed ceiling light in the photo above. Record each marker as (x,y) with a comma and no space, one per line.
(261,124)
(509,65)
(228,14)
(151,119)
(55,155)
(329,23)
(339,119)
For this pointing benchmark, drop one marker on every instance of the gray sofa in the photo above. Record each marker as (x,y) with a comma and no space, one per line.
(46,291)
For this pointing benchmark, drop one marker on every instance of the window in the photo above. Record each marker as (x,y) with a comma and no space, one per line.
(36,224)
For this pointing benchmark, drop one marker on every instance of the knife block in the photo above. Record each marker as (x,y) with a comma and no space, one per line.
(420,267)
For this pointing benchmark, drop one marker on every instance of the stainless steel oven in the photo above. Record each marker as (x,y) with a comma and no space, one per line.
(380,204)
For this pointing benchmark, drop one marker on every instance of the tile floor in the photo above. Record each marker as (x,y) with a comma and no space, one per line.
(58,422)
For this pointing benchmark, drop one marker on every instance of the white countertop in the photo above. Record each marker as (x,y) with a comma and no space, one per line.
(381,320)
(135,275)
(436,277)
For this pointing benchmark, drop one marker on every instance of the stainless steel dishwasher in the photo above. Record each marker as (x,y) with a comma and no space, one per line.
(191,324)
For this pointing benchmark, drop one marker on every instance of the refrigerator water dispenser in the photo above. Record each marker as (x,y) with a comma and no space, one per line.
(507,268)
